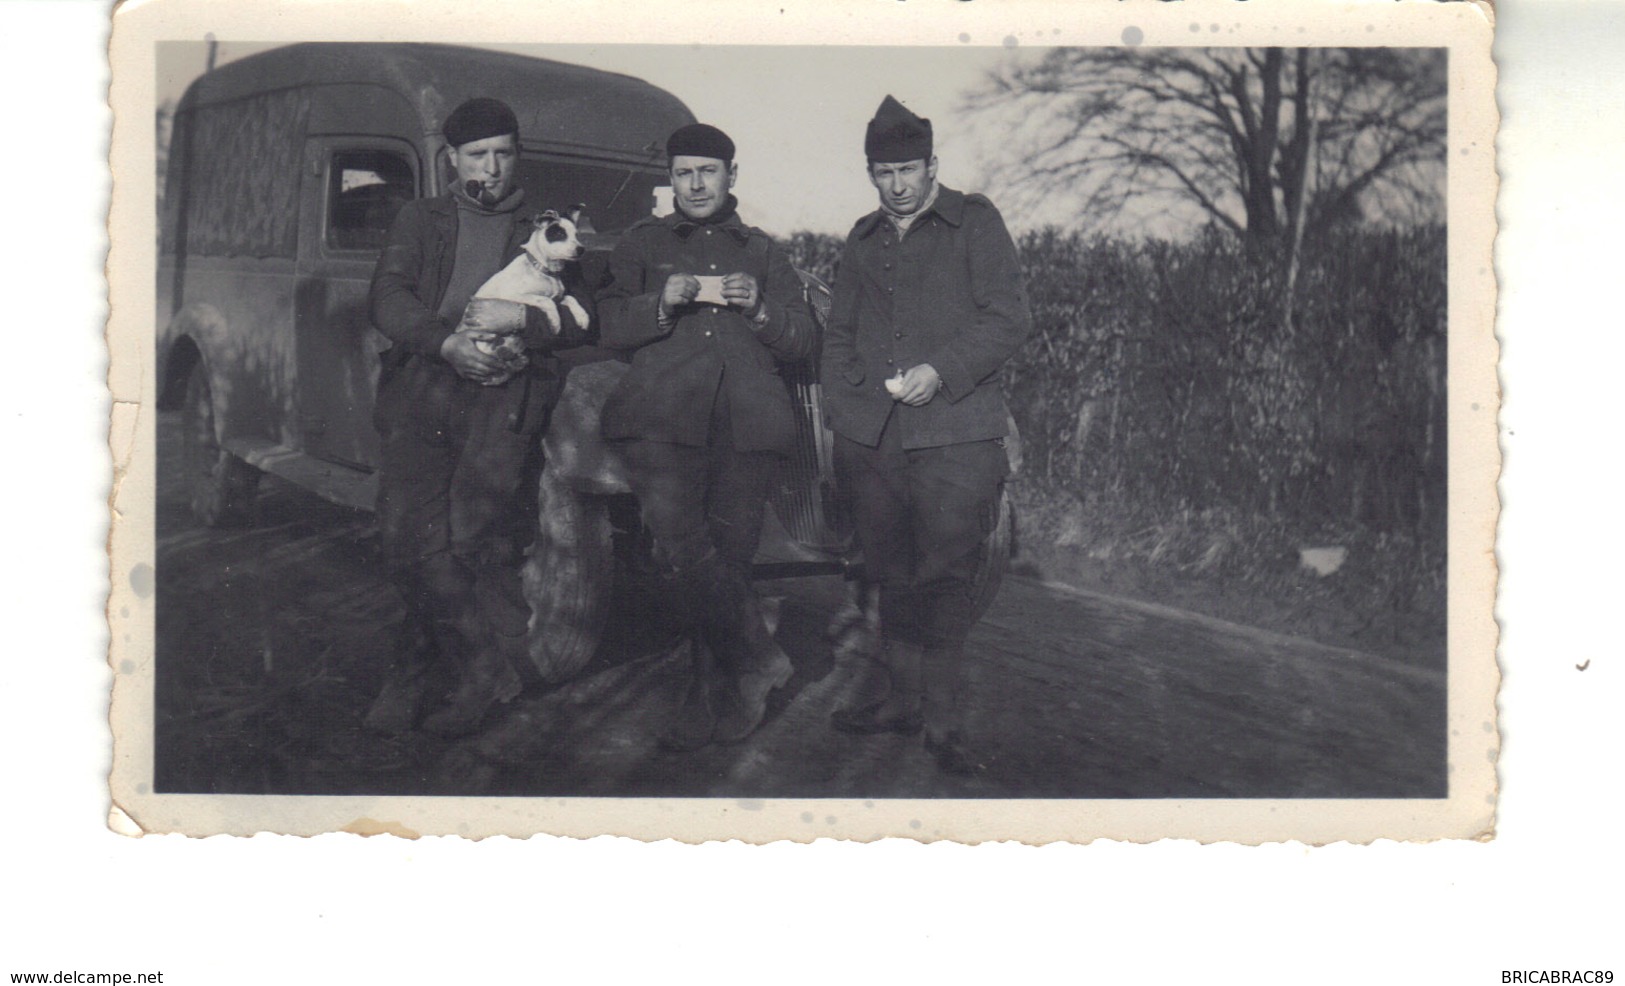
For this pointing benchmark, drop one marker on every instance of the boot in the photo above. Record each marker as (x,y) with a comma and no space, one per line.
(858,617)
(939,676)
(770,667)
(407,682)
(695,720)
(871,687)
(944,733)
(488,679)
(395,710)
(855,634)
(759,665)
(716,599)
(898,711)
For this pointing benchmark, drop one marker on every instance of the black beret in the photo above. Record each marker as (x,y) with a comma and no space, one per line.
(699,140)
(478,119)
(896,135)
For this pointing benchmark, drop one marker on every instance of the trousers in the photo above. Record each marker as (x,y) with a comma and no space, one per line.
(701,501)
(921,517)
(454,513)
(703,506)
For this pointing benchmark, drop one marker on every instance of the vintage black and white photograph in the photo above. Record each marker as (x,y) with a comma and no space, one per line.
(954,425)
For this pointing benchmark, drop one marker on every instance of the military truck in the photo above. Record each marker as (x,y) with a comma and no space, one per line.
(285,171)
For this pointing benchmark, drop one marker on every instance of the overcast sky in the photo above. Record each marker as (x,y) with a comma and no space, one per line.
(797,115)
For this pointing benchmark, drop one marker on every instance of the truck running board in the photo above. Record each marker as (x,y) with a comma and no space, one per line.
(343,485)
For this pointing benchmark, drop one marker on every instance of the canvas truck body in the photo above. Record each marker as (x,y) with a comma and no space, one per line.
(285,170)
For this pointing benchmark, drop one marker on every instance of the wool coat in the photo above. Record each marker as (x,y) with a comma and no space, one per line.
(948,292)
(678,369)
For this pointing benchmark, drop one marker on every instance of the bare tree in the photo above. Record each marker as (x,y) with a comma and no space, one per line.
(1270,143)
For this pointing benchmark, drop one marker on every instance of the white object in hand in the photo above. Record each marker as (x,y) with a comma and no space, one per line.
(894,386)
(710,291)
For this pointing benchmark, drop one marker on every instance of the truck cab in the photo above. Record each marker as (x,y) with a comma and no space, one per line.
(285,172)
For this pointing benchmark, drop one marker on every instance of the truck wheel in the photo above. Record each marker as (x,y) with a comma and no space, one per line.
(220,485)
(568,578)
(995,558)
(855,628)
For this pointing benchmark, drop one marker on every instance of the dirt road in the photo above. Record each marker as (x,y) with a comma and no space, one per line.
(271,640)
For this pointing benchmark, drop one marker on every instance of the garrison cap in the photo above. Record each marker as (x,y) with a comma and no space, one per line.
(478,119)
(699,140)
(895,134)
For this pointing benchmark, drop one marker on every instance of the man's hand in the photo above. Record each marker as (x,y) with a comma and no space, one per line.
(918,385)
(680,290)
(471,364)
(741,291)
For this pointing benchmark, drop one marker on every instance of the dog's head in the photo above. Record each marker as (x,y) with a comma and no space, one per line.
(555,241)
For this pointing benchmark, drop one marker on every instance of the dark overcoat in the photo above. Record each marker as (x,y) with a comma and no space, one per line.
(678,370)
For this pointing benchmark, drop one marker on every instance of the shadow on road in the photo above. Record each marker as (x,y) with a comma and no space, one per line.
(271,640)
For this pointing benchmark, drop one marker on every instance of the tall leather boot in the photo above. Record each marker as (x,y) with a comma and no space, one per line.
(945,625)
(695,720)
(899,711)
(505,614)
(748,655)
(944,730)
(487,679)
(396,708)
(408,681)
(872,685)
(856,636)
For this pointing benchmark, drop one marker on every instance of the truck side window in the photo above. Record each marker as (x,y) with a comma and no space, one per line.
(365,190)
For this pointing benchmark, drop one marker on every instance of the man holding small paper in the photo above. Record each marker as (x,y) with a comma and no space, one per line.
(708,307)
(928,306)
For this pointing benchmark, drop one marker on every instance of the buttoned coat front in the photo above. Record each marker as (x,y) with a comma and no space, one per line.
(948,292)
(676,372)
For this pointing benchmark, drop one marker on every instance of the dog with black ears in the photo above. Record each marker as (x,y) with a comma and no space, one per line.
(532,278)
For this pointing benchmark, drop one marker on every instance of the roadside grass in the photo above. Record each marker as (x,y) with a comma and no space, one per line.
(1386,598)
(1186,441)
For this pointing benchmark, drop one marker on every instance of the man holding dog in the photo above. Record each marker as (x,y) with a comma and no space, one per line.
(928,304)
(460,442)
(707,307)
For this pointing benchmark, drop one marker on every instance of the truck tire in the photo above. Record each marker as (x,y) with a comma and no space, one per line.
(995,558)
(854,631)
(568,578)
(220,486)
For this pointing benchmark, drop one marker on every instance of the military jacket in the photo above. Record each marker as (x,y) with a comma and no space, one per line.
(948,292)
(678,370)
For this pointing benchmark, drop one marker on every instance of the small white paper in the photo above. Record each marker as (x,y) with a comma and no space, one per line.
(710,291)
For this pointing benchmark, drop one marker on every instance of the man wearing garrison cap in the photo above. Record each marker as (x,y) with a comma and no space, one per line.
(928,306)
(460,449)
(707,307)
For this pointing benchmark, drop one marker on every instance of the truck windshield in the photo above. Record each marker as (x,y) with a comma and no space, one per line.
(616,196)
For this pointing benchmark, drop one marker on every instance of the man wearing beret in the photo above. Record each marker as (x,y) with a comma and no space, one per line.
(460,442)
(928,305)
(708,307)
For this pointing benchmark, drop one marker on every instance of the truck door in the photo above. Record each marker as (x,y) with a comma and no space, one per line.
(351,191)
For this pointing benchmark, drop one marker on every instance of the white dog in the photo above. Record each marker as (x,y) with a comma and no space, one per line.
(532,279)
